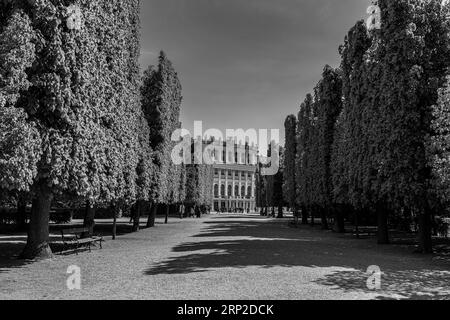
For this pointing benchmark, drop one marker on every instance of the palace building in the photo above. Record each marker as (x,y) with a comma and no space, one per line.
(234,176)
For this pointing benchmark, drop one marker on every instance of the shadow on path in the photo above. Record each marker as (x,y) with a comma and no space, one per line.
(262,243)
(424,284)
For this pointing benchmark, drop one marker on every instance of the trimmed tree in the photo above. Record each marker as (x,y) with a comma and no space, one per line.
(328,108)
(414,59)
(289,174)
(161,101)
(303,157)
(440,147)
(80,75)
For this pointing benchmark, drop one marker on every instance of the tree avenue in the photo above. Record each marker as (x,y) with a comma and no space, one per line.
(80,127)
(77,124)
(372,140)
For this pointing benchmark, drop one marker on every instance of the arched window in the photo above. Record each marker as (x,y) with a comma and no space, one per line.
(249,192)
(243,191)
(230,191)
(222,191)
(216,190)
(236,191)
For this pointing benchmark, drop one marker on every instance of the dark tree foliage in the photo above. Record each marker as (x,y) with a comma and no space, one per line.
(349,150)
(289,174)
(261,198)
(373,137)
(440,148)
(269,184)
(315,138)
(303,156)
(413,58)
(71,83)
(278,182)
(206,180)
(145,172)
(161,100)
(199,187)
(192,182)
(328,107)
(199,183)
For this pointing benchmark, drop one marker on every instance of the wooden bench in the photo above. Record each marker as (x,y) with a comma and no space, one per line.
(74,238)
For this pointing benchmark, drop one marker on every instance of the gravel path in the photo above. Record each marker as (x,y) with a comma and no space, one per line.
(232,257)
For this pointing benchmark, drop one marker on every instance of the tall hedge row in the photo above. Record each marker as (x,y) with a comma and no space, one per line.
(371,141)
(77,121)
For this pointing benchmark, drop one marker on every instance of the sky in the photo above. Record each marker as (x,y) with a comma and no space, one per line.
(246,63)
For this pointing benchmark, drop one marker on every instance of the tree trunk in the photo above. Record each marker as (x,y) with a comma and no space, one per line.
(356,212)
(280,212)
(324,218)
(37,246)
(313,221)
(21,221)
(114,228)
(152,216)
(149,211)
(304,215)
(181,211)
(339,224)
(434,226)
(197,212)
(166,221)
(425,238)
(89,219)
(383,228)
(406,225)
(296,216)
(137,215)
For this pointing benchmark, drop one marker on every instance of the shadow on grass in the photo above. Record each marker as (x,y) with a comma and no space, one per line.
(9,251)
(269,244)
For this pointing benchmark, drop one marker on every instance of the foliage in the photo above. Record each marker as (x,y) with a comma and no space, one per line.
(349,154)
(304,153)
(440,146)
(278,182)
(20,148)
(328,106)
(73,92)
(363,138)
(161,101)
(289,185)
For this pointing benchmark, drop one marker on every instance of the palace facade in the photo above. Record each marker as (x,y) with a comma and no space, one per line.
(234,176)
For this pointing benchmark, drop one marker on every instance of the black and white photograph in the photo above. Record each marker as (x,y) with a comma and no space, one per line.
(224,156)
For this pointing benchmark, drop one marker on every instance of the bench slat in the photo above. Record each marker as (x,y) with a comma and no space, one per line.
(87,240)
(75,231)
